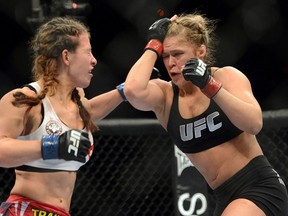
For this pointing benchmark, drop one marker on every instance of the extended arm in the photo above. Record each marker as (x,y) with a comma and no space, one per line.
(102,105)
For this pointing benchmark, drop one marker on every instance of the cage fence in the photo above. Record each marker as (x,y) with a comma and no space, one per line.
(132,171)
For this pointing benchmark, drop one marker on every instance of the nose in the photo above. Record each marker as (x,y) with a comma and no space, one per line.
(171,61)
(94,61)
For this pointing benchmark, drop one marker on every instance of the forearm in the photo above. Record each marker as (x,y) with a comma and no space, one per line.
(103,104)
(15,152)
(247,116)
(140,73)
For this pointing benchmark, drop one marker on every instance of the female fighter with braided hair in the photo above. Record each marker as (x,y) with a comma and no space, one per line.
(211,115)
(46,127)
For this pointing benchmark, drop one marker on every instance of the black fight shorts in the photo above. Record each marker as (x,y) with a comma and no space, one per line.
(257,182)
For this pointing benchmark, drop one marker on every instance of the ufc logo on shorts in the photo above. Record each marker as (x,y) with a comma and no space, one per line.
(201,67)
(189,131)
(75,139)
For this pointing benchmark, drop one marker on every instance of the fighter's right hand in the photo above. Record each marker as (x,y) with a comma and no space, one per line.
(156,34)
(71,145)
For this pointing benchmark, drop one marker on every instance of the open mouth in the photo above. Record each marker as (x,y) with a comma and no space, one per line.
(173,74)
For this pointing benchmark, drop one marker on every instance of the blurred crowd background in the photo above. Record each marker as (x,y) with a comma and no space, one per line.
(252,36)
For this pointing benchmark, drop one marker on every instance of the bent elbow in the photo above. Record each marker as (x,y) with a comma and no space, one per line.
(256,127)
(4,164)
(128,90)
(131,91)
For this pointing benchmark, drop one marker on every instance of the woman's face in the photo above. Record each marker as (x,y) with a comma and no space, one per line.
(82,62)
(176,52)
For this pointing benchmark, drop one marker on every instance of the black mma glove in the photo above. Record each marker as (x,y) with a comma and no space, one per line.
(156,34)
(199,74)
(71,145)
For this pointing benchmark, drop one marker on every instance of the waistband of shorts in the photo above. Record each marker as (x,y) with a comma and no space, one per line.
(255,169)
(33,203)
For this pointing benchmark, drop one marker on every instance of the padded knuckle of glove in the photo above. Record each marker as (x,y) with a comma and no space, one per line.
(71,145)
(158,29)
(196,71)
(156,34)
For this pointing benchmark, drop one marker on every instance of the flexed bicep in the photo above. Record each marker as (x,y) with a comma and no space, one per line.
(149,98)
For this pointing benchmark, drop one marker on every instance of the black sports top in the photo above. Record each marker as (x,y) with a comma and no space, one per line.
(205,131)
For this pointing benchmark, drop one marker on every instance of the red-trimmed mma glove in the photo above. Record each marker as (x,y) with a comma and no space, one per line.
(156,34)
(71,145)
(199,74)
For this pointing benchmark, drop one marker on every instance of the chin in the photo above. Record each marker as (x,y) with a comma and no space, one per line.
(178,81)
(85,85)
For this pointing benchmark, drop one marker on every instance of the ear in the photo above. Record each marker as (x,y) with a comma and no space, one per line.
(201,51)
(65,56)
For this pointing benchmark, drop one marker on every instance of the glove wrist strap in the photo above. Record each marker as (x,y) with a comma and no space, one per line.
(212,88)
(49,147)
(120,89)
(156,46)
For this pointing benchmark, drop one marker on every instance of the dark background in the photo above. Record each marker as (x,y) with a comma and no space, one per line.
(252,36)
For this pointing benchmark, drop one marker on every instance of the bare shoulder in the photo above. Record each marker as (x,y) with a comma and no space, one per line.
(6,101)
(9,95)
(233,80)
(228,73)
(163,84)
(13,117)
(226,69)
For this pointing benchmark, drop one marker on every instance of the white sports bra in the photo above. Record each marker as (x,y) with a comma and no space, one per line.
(51,124)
